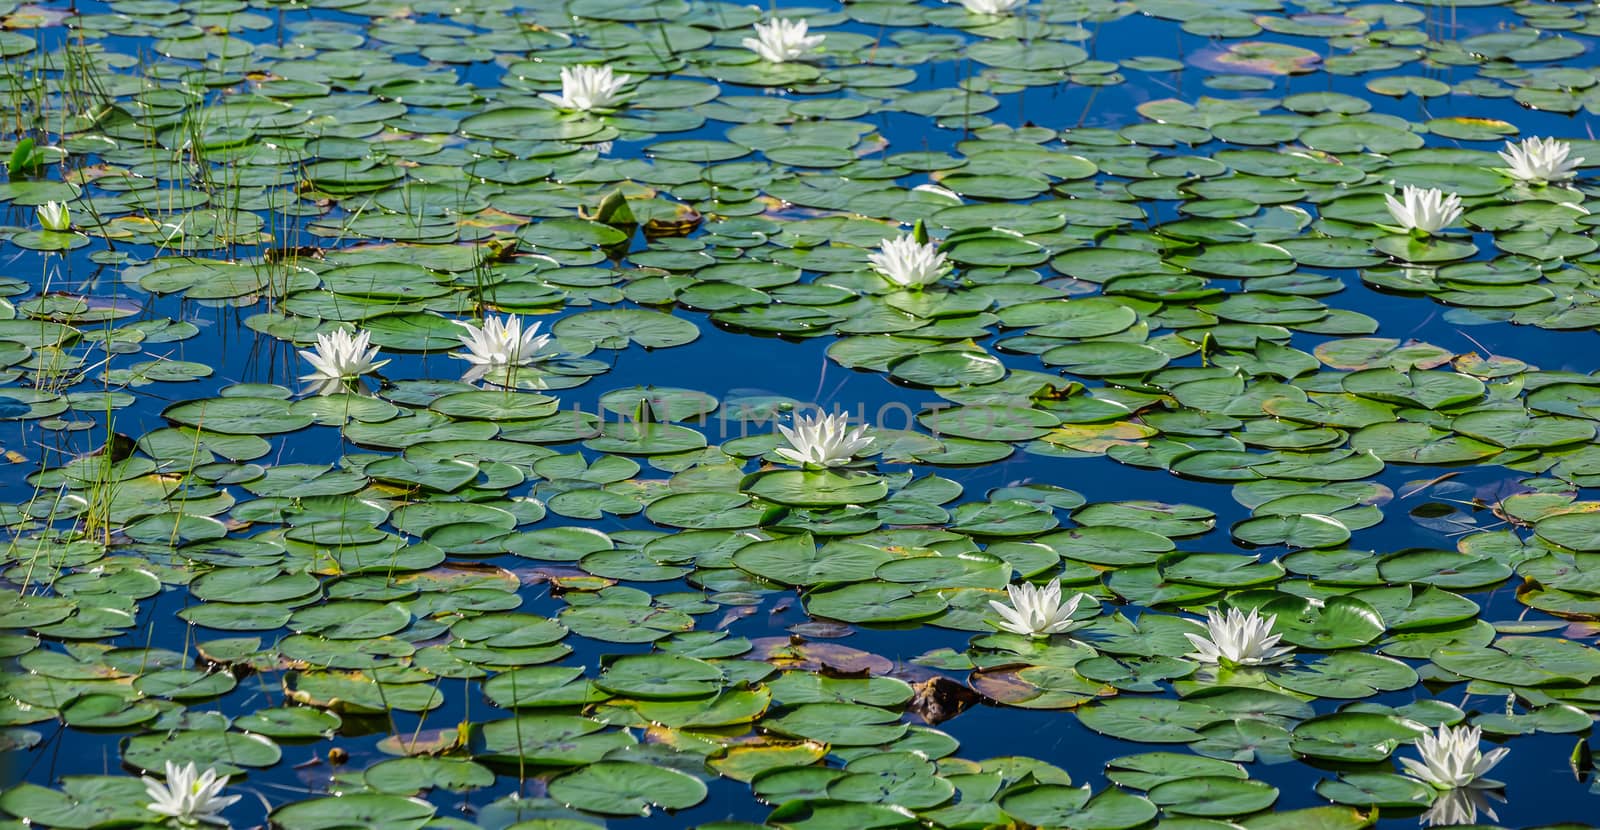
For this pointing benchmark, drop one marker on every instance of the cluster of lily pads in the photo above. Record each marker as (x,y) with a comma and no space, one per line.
(1156,295)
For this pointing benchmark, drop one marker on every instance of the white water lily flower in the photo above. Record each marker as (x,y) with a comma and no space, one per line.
(1539,160)
(824,441)
(1451,758)
(339,358)
(585,88)
(1037,611)
(54,216)
(993,7)
(909,263)
(1425,209)
(1237,639)
(1460,806)
(188,795)
(782,40)
(499,344)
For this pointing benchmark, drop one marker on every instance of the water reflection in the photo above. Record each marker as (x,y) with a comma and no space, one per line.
(1461,806)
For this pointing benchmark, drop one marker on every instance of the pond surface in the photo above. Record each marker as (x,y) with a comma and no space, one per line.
(1179,358)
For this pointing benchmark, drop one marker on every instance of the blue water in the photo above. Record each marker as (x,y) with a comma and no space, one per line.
(1540,787)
